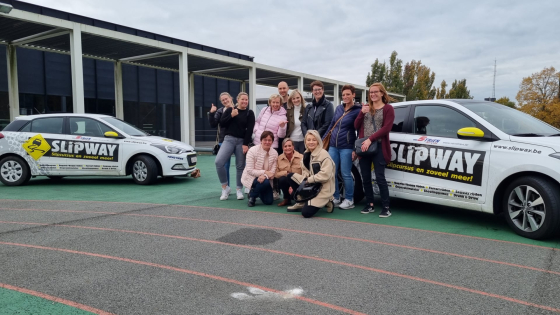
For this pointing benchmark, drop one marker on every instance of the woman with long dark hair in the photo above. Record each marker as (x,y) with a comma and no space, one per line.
(375,121)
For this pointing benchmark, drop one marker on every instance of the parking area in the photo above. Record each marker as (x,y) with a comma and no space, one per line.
(108,246)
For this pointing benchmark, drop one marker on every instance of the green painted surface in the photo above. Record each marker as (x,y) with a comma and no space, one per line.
(16,303)
(205,191)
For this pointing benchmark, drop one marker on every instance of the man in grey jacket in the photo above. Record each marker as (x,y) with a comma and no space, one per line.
(319,113)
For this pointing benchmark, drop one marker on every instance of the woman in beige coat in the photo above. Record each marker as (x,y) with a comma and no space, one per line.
(317,167)
(288,162)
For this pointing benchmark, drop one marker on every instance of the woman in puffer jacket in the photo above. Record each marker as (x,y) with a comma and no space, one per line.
(341,145)
(272,118)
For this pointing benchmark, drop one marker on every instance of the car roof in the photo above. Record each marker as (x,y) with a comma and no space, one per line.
(452,102)
(31,117)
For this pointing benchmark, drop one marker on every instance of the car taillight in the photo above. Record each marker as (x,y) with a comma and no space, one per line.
(1,136)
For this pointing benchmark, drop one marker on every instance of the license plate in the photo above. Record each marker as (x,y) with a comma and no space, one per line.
(193,159)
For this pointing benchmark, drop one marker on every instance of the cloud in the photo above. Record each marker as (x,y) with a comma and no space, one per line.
(341,39)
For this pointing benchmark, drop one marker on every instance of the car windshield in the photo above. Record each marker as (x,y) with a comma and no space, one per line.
(126,127)
(511,121)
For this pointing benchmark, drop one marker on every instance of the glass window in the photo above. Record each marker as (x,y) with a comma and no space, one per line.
(4,110)
(127,128)
(81,126)
(47,125)
(439,121)
(401,114)
(509,120)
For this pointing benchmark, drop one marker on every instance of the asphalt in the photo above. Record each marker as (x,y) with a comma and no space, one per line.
(107,245)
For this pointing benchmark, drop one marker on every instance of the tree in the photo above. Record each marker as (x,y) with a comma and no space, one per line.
(377,73)
(418,81)
(505,101)
(441,91)
(539,96)
(459,90)
(394,76)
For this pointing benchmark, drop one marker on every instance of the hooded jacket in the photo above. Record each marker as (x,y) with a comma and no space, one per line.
(270,120)
(343,135)
(317,116)
(317,167)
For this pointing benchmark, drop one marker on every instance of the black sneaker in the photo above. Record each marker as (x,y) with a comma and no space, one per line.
(368,209)
(385,213)
(251,202)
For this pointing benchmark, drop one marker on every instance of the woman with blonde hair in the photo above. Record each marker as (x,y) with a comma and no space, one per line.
(317,167)
(214,116)
(375,122)
(273,119)
(238,122)
(295,110)
(288,162)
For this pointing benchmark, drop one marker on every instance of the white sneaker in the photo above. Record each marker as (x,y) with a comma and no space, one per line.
(347,204)
(336,202)
(246,190)
(275,195)
(225,193)
(240,194)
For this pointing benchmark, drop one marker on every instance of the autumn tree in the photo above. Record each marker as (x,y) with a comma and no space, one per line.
(394,77)
(539,96)
(459,90)
(441,91)
(418,81)
(505,101)
(377,73)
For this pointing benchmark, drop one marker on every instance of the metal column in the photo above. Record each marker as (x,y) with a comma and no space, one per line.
(364,95)
(77,69)
(252,89)
(184,97)
(119,96)
(192,123)
(13,90)
(300,86)
(336,99)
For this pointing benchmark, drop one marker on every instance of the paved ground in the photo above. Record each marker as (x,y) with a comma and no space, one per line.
(82,246)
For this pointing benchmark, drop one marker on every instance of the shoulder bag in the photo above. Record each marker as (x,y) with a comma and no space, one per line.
(372,147)
(327,138)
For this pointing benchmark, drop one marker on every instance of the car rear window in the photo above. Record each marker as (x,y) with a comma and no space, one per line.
(15,125)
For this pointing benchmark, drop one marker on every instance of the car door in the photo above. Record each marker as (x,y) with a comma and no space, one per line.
(40,148)
(437,164)
(89,151)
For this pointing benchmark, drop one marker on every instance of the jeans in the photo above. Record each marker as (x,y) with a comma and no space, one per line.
(230,146)
(227,164)
(299,146)
(379,165)
(343,162)
(262,190)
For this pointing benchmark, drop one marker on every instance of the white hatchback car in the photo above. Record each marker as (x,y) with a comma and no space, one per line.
(58,145)
(480,156)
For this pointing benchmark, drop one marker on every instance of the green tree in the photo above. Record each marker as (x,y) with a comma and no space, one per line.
(505,101)
(394,76)
(441,91)
(409,77)
(377,73)
(459,90)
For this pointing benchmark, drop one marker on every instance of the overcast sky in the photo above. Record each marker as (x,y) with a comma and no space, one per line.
(341,39)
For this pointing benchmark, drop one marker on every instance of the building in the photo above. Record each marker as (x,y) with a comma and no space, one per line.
(55,61)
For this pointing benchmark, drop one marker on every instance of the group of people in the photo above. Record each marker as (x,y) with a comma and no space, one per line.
(284,147)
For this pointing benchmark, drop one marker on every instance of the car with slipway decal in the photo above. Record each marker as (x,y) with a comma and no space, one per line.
(481,156)
(59,145)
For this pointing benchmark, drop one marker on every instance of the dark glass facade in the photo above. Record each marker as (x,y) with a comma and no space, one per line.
(151,96)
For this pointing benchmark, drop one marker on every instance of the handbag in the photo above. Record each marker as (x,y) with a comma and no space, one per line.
(306,191)
(327,138)
(217,145)
(372,147)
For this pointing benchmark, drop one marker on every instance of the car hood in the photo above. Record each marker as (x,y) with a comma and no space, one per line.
(551,142)
(164,141)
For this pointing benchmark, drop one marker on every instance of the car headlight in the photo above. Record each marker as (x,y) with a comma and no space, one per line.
(555,155)
(169,148)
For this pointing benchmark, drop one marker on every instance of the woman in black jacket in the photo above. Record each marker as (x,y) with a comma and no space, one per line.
(214,116)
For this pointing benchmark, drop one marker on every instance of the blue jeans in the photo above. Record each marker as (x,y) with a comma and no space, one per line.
(227,164)
(230,146)
(262,190)
(343,162)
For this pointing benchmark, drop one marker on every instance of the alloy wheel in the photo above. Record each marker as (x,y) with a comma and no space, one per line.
(526,208)
(140,171)
(11,171)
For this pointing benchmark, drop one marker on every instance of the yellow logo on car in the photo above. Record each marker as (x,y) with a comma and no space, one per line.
(36,147)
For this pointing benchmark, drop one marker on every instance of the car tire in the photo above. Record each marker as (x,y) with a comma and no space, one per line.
(56,177)
(531,206)
(144,170)
(14,171)
(358,186)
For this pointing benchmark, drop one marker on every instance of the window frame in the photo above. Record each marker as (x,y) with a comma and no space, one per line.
(30,122)
(407,127)
(478,125)
(96,120)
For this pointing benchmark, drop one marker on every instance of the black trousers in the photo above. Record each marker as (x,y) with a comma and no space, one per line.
(307,211)
(379,167)
(284,185)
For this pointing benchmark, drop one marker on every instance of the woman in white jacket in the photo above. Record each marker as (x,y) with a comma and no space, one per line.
(272,118)
(260,169)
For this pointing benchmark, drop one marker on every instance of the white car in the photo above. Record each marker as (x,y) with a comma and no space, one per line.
(480,156)
(58,145)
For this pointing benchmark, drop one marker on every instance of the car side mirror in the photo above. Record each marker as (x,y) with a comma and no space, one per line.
(112,134)
(473,133)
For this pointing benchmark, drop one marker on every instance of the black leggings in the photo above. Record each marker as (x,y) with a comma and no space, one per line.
(307,211)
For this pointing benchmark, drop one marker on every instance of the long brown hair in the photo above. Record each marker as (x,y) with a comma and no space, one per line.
(384,96)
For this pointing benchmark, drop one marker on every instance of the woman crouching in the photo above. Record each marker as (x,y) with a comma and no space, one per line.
(317,167)
(260,169)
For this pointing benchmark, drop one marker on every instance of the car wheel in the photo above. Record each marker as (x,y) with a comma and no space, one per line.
(144,170)
(56,177)
(531,206)
(358,186)
(14,171)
